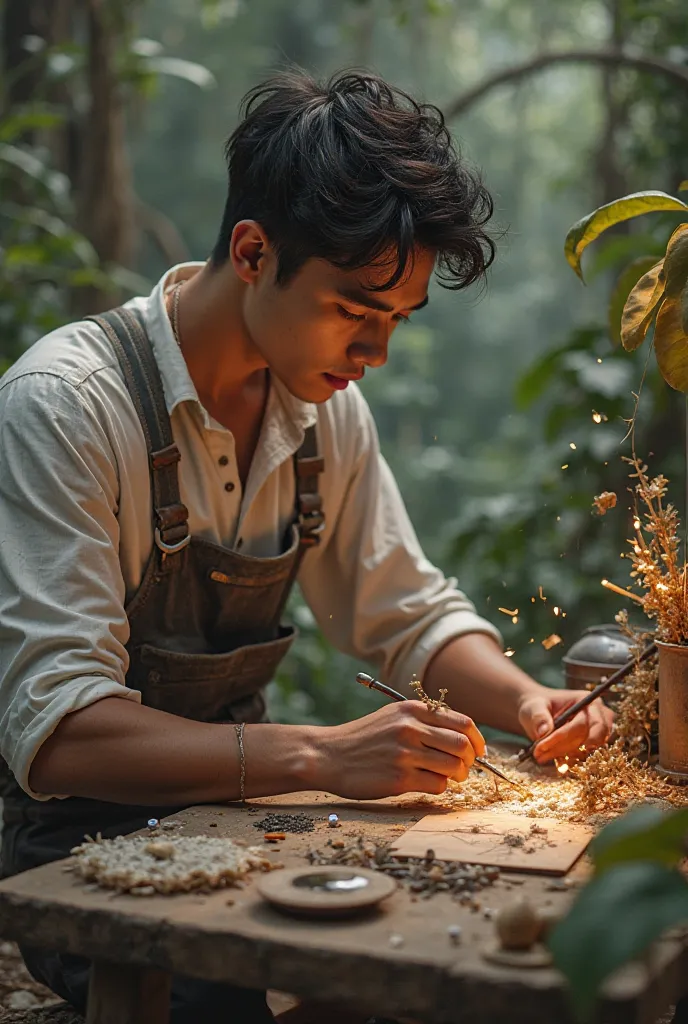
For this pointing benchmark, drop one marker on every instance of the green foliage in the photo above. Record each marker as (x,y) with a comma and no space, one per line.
(635,895)
(646,833)
(42,256)
(541,535)
(615,919)
(656,297)
(590,227)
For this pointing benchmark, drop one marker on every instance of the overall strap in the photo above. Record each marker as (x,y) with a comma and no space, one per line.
(310,518)
(129,339)
(308,464)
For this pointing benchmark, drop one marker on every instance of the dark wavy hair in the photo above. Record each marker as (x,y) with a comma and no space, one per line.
(355,172)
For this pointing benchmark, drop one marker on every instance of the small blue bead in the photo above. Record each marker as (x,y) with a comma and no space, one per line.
(153,823)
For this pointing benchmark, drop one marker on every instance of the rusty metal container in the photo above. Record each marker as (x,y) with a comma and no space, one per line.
(600,651)
(673,712)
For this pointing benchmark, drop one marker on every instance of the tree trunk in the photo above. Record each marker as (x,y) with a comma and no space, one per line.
(105,196)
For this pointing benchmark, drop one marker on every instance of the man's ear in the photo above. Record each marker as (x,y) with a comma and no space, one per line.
(247,250)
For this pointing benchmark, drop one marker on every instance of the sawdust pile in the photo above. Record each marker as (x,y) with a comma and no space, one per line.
(546,797)
(604,785)
(143,866)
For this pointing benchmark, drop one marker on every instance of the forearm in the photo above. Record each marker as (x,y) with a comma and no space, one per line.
(124,752)
(481,681)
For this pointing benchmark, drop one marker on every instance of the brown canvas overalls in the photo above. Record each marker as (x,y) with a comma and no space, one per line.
(205,640)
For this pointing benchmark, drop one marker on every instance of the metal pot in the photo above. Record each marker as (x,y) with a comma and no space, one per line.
(599,652)
(673,712)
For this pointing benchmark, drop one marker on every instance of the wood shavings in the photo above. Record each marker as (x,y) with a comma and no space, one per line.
(610,780)
(605,784)
(553,640)
(604,501)
(143,867)
(545,797)
(636,705)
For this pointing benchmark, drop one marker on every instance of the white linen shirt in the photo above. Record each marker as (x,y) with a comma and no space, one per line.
(76,525)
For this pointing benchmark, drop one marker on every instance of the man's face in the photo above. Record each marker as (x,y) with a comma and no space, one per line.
(325,327)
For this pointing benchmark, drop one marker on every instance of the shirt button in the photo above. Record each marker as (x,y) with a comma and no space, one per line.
(229,486)
(223,460)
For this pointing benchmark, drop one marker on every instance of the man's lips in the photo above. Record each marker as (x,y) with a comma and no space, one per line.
(335,381)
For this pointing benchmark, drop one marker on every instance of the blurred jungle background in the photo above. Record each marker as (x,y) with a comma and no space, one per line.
(502,413)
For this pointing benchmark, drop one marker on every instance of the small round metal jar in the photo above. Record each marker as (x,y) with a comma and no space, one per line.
(597,655)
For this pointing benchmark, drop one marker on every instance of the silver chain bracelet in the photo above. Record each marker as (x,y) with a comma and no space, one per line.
(239,729)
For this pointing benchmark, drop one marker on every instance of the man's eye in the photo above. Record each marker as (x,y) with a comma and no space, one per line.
(348,315)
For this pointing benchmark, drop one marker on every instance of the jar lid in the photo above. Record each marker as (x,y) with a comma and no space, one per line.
(600,645)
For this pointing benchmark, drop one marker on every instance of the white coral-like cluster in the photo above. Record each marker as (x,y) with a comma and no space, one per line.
(143,866)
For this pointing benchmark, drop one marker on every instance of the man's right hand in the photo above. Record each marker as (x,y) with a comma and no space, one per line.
(401,748)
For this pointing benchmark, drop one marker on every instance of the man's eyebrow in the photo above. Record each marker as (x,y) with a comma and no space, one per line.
(367,299)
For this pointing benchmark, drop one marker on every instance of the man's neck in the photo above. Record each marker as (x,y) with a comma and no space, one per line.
(222,361)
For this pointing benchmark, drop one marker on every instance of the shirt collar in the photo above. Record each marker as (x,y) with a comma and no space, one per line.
(284,411)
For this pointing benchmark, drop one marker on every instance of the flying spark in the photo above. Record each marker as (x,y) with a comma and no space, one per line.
(509,652)
(572,446)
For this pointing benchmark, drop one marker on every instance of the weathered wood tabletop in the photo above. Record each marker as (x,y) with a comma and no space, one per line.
(235,937)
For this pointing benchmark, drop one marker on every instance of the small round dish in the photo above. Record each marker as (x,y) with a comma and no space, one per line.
(325,891)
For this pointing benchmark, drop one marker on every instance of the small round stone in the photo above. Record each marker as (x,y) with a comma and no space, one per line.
(396,941)
(454,932)
(333,820)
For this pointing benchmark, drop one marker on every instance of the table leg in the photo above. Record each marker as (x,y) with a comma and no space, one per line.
(126,994)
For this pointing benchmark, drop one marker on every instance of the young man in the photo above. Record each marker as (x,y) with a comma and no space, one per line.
(165,473)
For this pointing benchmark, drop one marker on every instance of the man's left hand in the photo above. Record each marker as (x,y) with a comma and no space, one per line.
(590,728)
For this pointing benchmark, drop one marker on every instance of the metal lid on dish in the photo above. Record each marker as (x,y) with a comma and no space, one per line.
(600,646)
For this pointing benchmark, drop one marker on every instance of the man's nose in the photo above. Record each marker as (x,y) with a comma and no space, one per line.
(371,352)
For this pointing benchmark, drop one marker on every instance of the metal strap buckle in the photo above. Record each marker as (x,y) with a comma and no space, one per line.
(171,549)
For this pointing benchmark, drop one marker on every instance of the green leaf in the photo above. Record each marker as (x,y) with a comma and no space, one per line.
(640,308)
(28,120)
(614,919)
(683,187)
(671,345)
(615,252)
(648,834)
(625,284)
(197,74)
(591,227)
(684,309)
(676,262)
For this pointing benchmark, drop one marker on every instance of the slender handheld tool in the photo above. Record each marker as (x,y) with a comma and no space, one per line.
(375,684)
(601,688)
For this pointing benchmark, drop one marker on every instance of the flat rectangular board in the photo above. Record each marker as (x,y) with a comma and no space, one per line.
(499,839)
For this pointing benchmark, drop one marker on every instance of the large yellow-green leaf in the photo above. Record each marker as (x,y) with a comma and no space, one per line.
(640,308)
(684,309)
(676,262)
(671,345)
(622,289)
(589,228)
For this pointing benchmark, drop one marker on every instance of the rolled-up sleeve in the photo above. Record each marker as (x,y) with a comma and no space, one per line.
(63,627)
(370,587)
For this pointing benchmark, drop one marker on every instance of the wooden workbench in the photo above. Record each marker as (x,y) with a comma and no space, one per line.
(233,936)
